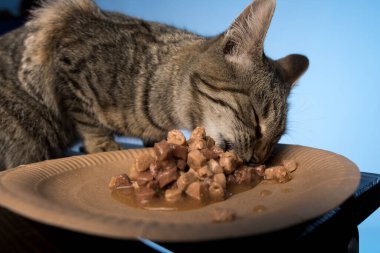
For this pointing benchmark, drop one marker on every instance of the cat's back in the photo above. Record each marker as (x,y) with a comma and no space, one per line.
(69,34)
(62,21)
(11,49)
(12,40)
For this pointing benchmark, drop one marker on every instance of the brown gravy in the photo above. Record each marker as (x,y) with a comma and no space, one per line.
(187,203)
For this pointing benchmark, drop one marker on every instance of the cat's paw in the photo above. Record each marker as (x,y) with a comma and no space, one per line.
(103,147)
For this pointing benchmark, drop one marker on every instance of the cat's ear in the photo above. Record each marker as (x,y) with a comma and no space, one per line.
(245,37)
(292,67)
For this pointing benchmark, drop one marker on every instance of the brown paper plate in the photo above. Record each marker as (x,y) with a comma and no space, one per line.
(72,193)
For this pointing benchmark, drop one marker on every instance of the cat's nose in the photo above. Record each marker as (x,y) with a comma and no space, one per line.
(260,153)
(256,159)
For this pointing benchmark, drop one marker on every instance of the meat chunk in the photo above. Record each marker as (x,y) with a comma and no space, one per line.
(197,144)
(197,191)
(180,152)
(154,168)
(216,191)
(228,161)
(218,151)
(186,179)
(204,172)
(173,195)
(246,175)
(167,176)
(196,159)
(220,178)
(181,164)
(278,173)
(143,178)
(260,170)
(176,137)
(166,164)
(119,181)
(215,166)
(198,133)
(209,154)
(163,150)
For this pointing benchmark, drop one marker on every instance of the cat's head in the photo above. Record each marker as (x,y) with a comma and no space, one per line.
(244,93)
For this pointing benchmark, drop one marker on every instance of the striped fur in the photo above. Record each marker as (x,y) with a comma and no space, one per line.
(74,71)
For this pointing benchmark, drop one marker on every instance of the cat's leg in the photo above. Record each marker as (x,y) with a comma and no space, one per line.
(21,149)
(96,139)
(25,136)
(29,132)
(99,142)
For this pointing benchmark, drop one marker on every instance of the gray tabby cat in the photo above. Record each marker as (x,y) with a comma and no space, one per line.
(74,71)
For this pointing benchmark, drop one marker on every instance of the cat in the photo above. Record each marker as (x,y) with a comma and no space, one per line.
(76,72)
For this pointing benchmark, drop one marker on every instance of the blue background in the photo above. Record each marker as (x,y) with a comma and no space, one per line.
(336,103)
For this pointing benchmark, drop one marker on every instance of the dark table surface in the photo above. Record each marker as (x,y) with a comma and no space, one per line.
(334,231)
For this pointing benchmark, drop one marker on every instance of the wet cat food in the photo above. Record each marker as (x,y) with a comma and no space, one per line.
(195,171)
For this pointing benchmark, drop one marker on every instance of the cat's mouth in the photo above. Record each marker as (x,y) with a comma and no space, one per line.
(261,158)
(256,156)
(227,145)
